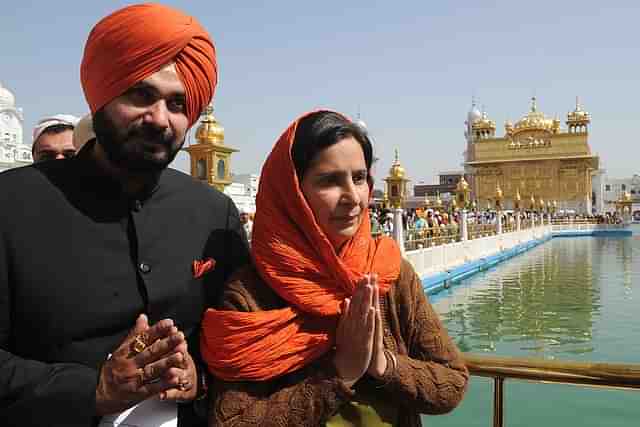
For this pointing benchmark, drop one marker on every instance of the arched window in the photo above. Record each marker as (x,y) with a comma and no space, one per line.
(201,169)
(221,169)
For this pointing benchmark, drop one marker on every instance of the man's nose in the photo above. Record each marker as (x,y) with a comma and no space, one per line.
(59,156)
(158,114)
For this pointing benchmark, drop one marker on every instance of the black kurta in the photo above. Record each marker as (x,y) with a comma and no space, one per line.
(79,261)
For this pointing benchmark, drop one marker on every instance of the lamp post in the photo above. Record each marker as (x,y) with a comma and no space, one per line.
(516,205)
(499,208)
(532,208)
(462,195)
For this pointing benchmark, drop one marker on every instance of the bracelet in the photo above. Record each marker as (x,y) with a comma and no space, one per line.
(394,360)
(203,386)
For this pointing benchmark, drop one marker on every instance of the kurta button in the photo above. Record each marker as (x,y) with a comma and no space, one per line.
(137,205)
(144,268)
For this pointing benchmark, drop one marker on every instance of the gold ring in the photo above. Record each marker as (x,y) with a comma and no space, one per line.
(138,345)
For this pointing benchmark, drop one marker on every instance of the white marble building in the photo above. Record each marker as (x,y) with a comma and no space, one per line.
(13,152)
(607,191)
(243,191)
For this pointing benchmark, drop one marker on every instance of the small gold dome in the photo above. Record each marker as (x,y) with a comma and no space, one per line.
(210,131)
(508,127)
(578,115)
(484,122)
(397,171)
(463,185)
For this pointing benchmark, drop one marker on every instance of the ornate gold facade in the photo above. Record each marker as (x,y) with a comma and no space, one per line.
(396,188)
(210,157)
(535,158)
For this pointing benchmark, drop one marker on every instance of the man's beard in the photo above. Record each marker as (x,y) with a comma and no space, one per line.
(132,149)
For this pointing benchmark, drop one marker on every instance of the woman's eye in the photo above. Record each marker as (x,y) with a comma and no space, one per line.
(328,180)
(359,178)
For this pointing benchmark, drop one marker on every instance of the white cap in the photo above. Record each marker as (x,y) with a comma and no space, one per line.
(47,122)
(83,132)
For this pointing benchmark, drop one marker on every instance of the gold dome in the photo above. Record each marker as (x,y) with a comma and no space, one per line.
(397,171)
(534,120)
(209,131)
(578,115)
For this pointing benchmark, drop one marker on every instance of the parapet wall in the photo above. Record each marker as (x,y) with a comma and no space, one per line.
(440,266)
(438,259)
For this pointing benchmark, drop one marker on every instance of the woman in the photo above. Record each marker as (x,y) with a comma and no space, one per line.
(329,326)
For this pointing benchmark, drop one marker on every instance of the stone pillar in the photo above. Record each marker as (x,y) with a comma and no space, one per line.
(587,204)
(398,229)
(464,229)
(518,220)
(499,222)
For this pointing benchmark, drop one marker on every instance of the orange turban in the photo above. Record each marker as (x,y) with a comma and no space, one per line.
(296,259)
(134,42)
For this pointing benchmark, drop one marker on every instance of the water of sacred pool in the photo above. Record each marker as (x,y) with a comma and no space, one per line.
(567,299)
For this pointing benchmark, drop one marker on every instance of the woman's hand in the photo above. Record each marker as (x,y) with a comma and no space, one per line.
(355,334)
(378,365)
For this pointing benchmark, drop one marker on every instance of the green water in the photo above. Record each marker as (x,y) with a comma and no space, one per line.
(567,299)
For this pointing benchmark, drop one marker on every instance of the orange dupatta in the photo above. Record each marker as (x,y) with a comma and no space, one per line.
(295,258)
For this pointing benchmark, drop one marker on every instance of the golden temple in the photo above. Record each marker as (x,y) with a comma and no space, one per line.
(210,156)
(535,157)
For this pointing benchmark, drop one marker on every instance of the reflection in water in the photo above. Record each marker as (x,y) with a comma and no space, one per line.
(542,303)
(571,299)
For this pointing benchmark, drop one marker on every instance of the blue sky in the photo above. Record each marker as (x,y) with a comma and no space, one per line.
(409,67)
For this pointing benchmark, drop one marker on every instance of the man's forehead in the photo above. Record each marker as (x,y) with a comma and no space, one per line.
(165,75)
(168,69)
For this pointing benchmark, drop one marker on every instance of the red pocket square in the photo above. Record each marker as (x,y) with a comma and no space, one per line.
(201,267)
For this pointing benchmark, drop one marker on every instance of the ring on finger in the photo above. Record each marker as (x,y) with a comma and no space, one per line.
(139,343)
(184,385)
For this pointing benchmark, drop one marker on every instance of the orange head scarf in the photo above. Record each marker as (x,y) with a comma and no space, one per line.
(296,259)
(136,41)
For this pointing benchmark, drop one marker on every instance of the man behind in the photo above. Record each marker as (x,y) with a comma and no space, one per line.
(123,235)
(53,138)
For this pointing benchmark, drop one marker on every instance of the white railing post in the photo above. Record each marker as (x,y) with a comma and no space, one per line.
(398,229)
(464,229)
(499,222)
(518,224)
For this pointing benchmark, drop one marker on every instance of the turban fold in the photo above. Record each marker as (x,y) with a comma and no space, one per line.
(136,41)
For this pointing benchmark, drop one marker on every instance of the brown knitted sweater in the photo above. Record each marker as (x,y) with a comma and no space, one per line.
(430,376)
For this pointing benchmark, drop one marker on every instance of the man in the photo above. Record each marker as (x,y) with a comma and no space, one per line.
(101,299)
(245,220)
(83,132)
(53,138)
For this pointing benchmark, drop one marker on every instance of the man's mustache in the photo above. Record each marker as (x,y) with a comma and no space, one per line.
(152,134)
